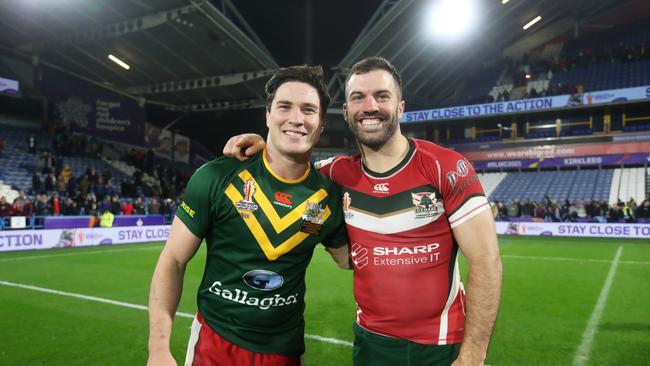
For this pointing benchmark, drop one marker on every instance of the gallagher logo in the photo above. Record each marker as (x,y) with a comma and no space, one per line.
(284,199)
(359,255)
(381,188)
(263,280)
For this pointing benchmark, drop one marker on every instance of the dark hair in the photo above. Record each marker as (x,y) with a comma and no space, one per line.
(311,75)
(372,64)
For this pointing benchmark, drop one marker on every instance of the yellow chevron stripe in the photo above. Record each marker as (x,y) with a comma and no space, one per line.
(280,224)
(272,253)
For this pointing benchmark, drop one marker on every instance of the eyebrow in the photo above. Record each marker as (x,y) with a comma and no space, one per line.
(302,104)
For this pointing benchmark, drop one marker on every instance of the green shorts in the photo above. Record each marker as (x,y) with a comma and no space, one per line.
(372,349)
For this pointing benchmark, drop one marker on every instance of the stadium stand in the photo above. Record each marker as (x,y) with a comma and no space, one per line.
(490,181)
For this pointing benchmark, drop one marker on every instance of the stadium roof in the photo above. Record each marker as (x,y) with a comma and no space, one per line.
(212,55)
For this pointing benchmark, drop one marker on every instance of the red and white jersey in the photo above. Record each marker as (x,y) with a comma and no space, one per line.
(406,279)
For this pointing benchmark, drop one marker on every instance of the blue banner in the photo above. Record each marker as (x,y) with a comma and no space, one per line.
(93,110)
(525,105)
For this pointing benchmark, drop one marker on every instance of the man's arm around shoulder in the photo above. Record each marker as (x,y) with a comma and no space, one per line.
(478,241)
(166,288)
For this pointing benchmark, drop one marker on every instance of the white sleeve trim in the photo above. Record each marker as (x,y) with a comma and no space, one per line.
(471,208)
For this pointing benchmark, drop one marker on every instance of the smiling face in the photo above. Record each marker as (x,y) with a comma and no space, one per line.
(294,120)
(373,107)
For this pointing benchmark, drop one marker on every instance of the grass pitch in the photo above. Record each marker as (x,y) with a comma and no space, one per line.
(86,306)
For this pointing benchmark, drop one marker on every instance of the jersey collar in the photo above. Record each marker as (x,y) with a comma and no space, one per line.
(396,168)
(268,167)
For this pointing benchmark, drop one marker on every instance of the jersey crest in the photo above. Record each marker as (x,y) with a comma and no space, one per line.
(309,208)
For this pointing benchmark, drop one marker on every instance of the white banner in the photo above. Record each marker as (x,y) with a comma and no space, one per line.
(640,231)
(81,237)
(18,222)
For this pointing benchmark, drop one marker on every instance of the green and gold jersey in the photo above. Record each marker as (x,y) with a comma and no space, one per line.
(260,231)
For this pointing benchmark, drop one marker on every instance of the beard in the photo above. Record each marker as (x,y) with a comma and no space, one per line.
(377,139)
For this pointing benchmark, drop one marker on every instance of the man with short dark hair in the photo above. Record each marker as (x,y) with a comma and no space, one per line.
(409,206)
(261,220)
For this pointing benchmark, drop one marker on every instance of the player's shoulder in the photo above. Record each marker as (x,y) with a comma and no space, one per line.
(339,160)
(433,150)
(220,167)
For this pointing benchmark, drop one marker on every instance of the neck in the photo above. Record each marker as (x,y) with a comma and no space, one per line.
(387,156)
(286,167)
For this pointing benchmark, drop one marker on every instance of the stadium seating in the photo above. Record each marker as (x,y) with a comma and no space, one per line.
(606,76)
(628,183)
(18,164)
(558,185)
(490,181)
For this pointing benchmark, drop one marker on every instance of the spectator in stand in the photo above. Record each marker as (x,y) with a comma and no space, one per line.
(55,203)
(61,185)
(20,199)
(514,210)
(643,211)
(37,183)
(581,212)
(116,208)
(16,209)
(66,173)
(28,208)
(41,206)
(527,209)
(127,207)
(615,213)
(138,206)
(632,204)
(50,182)
(628,214)
(5,207)
(153,208)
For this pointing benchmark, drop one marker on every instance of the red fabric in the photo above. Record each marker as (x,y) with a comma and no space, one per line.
(127,209)
(212,350)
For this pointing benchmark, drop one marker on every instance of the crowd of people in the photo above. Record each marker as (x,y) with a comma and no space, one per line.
(572,211)
(56,190)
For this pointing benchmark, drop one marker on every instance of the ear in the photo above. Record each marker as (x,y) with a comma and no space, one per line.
(400,109)
(268,117)
(345,111)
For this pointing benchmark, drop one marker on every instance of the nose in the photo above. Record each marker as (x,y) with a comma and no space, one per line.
(297,117)
(370,104)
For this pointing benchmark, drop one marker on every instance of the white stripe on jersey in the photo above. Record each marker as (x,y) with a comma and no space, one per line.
(456,287)
(194,339)
(471,208)
(390,224)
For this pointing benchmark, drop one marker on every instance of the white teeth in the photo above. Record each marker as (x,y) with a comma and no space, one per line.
(370,122)
(294,133)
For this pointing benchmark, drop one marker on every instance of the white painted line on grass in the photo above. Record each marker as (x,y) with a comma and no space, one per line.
(564,259)
(142,307)
(76,253)
(582,355)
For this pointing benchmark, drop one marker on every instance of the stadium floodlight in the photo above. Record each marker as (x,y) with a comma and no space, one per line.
(118,61)
(532,22)
(504,1)
(451,19)
(527,76)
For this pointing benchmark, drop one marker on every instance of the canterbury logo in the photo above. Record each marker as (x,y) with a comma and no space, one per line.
(284,198)
(381,188)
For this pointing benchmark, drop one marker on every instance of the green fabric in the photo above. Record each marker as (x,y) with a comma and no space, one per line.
(257,317)
(376,350)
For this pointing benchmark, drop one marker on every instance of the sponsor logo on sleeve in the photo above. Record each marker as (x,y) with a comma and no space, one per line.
(452,178)
(187,209)
(462,168)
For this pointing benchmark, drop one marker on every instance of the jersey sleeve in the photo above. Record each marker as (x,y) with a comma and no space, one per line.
(338,236)
(461,189)
(194,210)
